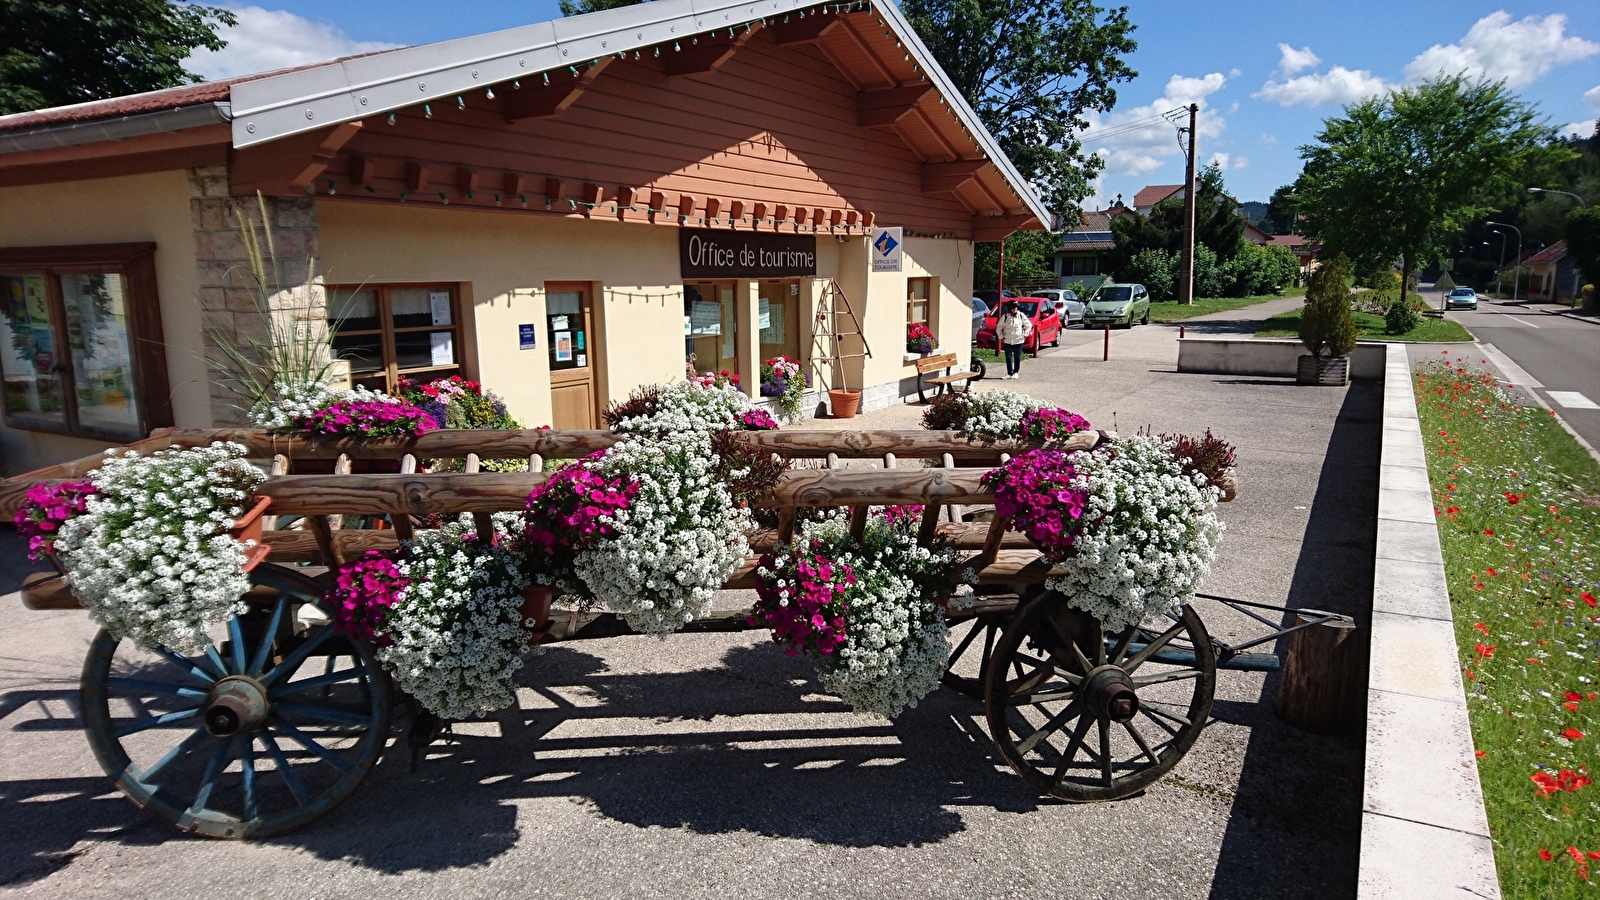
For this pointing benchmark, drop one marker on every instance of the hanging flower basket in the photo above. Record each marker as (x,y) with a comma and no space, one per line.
(536,599)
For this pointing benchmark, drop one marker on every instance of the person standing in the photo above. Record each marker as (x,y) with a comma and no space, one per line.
(1012,330)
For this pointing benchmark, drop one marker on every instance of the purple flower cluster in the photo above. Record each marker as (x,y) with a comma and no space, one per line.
(44,510)
(1050,425)
(572,509)
(367,418)
(1033,493)
(363,592)
(803,601)
(758,420)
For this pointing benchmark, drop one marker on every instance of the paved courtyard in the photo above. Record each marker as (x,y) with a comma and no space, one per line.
(711,766)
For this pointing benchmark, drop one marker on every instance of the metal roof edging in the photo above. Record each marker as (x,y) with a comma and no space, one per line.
(164,121)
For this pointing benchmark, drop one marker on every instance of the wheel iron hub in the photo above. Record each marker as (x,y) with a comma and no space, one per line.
(1109,693)
(237,704)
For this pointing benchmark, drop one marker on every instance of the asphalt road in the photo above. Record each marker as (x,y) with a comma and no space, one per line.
(1553,355)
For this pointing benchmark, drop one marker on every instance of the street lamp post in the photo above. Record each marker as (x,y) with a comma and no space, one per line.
(1581,205)
(1502,263)
(1516,280)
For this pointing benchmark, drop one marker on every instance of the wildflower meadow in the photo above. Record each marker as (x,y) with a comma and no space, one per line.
(1518,506)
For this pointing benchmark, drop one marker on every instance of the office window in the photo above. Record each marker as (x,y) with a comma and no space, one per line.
(389,331)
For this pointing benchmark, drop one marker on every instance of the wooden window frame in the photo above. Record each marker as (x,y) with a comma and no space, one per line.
(386,331)
(135,262)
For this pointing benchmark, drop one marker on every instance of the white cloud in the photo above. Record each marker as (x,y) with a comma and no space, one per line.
(1269,140)
(1337,85)
(1519,53)
(1293,60)
(1592,97)
(267,39)
(1133,147)
(1228,162)
(1579,129)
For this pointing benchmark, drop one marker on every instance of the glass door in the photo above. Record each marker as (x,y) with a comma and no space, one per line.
(569,320)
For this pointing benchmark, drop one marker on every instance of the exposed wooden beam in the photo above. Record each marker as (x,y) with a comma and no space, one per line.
(948,177)
(466,181)
(359,172)
(537,100)
(804,31)
(552,190)
(416,177)
(706,53)
(876,109)
(849,29)
(994,228)
(511,185)
(322,156)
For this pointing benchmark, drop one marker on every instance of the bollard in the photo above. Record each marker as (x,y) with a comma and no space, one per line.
(1181,330)
(1107,356)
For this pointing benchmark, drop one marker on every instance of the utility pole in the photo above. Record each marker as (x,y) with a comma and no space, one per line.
(1000,282)
(1186,268)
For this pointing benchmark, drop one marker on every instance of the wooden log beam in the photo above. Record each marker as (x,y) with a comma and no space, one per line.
(883,108)
(994,228)
(949,177)
(804,31)
(538,101)
(703,53)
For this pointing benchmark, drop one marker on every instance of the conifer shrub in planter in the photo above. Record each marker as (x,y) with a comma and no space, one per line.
(1326,326)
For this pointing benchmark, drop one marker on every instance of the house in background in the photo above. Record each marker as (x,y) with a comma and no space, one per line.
(1151,194)
(1303,249)
(1082,260)
(1552,275)
(1254,234)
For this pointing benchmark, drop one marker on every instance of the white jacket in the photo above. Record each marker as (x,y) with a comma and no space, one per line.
(1014,328)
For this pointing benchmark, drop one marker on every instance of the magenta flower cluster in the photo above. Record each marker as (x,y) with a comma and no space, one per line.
(44,510)
(899,515)
(1050,425)
(803,601)
(367,418)
(573,508)
(363,592)
(757,420)
(1033,492)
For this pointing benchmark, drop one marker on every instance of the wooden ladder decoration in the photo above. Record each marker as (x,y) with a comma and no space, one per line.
(826,333)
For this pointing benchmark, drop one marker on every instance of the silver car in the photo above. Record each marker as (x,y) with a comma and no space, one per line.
(980,311)
(1462,298)
(1066,303)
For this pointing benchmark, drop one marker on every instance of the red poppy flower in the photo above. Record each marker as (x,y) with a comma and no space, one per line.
(1512,499)
(1489,532)
(1574,696)
(1453,510)
(1492,572)
(1479,753)
(1482,628)
(1546,855)
(1486,650)
(1587,598)
(1572,734)
(1571,706)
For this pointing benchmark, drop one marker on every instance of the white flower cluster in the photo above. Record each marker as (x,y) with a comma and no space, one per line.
(677,542)
(1150,535)
(150,558)
(291,400)
(996,415)
(457,634)
(686,406)
(896,643)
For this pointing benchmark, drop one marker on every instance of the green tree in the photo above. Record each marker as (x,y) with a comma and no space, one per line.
(1326,322)
(1280,217)
(1583,242)
(1156,270)
(1029,254)
(1288,266)
(1217,224)
(579,7)
(1209,277)
(58,53)
(1398,176)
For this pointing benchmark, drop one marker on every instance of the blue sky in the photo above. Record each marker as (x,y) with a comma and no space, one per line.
(1266,74)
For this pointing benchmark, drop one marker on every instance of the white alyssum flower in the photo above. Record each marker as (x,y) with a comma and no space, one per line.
(996,415)
(291,400)
(1149,538)
(457,634)
(686,406)
(677,542)
(150,558)
(897,644)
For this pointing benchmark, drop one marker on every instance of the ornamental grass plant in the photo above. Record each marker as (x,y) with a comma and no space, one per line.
(1517,503)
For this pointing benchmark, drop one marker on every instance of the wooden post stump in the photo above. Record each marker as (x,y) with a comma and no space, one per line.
(1324,677)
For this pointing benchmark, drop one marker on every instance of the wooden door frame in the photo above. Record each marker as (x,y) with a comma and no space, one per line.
(558,377)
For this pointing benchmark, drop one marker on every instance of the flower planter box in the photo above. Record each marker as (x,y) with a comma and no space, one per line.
(1327,371)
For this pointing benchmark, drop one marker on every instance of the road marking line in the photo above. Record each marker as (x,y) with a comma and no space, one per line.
(1513,372)
(1518,320)
(1572,400)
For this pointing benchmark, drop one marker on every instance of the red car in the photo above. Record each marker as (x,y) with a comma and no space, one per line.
(1046,325)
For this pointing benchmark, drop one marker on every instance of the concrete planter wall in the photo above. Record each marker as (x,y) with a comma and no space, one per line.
(1271,358)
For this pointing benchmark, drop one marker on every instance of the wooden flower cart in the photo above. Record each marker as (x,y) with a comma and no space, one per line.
(280,718)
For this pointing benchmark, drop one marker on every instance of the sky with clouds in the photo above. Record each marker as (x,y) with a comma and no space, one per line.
(1264,75)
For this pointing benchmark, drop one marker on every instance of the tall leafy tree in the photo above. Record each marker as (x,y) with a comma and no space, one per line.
(579,7)
(1280,217)
(54,53)
(1398,176)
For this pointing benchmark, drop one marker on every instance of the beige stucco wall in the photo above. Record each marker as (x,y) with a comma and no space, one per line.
(133,208)
(949,262)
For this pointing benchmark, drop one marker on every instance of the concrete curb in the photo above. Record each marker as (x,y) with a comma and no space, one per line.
(1424,832)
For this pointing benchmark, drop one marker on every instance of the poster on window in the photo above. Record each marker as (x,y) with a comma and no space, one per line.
(439,305)
(706,317)
(441,344)
(563,346)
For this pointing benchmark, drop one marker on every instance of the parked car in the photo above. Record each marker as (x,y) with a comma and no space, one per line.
(991,299)
(1462,298)
(1066,303)
(1047,324)
(1118,304)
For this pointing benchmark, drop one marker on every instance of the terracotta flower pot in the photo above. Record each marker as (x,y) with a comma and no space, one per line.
(536,606)
(844,403)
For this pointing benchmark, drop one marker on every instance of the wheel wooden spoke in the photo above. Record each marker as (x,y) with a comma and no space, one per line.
(1143,744)
(325,713)
(1154,710)
(268,637)
(195,739)
(155,687)
(988,649)
(214,768)
(1031,699)
(247,772)
(1150,649)
(1105,751)
(304,740)
(156,721)
(1050,727)
(1175,675)
(188,665)
(281,763)
(216,658)
(1122,646)
(236,644)
(310,684)
(1071,753)
(291,663)
(977,626)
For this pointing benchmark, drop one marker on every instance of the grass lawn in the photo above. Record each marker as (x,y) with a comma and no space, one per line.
(1518,506)
(1172,311)
(985,354)
(1370,327)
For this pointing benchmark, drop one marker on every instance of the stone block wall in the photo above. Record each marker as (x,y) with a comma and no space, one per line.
(238,310)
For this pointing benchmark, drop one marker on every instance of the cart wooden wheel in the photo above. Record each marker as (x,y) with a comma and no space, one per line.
(272,725)
(1082,715)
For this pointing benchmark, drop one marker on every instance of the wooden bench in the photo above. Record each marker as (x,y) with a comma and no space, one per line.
(945,361)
